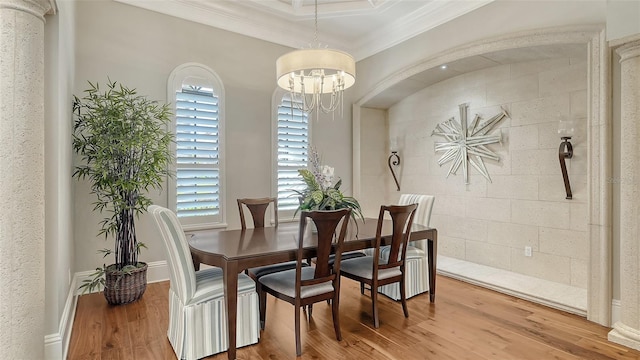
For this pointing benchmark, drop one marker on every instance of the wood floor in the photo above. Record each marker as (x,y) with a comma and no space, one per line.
(466,322)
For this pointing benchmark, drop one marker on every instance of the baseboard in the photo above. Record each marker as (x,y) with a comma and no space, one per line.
(512,284)
(56,345)
(625,335)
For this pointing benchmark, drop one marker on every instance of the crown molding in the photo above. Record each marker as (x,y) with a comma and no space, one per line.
(426,18)
(276,22)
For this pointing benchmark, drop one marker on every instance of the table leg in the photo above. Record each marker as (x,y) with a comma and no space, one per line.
(432,253)
(231,297)
(196,261)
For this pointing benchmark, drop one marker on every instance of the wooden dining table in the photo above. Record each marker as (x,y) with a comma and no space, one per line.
(237,250)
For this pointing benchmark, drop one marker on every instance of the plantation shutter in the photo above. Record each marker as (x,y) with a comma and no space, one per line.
(197,152)
(293,145)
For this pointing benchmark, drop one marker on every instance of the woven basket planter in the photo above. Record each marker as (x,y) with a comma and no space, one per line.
(125,288)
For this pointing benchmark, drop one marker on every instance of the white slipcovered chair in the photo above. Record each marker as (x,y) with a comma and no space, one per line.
(197,315)
(417,263)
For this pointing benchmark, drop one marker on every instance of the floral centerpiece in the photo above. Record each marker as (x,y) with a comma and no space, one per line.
(321,193)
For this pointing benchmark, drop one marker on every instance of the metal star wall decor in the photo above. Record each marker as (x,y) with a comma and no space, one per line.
(466,145)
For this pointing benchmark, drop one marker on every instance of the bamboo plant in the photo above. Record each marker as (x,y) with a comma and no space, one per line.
(124,145)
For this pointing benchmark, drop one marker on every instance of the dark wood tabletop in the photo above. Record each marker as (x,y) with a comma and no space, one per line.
(237,250)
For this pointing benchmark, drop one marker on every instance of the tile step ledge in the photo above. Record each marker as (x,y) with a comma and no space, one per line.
(559,296)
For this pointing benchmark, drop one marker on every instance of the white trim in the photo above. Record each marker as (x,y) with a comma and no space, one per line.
(276,25)
(203,74)
(558,296)
(56,345)
(625,335)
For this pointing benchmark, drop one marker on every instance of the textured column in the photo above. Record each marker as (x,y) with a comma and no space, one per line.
(22,178)
(627,330)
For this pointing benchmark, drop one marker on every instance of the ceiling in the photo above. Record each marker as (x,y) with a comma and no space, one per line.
(359,27)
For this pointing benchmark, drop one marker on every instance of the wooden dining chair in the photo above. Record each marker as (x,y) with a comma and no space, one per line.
(304,286)
(197,310)
(373,271)
(258,209)
(416,261)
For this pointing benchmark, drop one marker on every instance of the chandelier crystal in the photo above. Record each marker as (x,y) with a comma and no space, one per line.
(316,78)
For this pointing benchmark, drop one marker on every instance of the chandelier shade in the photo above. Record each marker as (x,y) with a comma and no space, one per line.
(310,71)
(316,77)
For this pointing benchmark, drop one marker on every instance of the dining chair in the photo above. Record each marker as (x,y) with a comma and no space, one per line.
(417,262)
(258,209)
(197,312)
(304,286)
(374,271)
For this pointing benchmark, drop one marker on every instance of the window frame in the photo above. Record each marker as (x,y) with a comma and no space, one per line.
(195,74)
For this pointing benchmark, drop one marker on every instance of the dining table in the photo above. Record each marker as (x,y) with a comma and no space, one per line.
(237,249)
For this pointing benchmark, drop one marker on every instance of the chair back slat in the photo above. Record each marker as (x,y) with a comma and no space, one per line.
(402,219)
(258,209)
(327,222)
(181,269)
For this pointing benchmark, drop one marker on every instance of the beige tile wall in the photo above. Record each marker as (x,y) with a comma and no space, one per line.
(490,223)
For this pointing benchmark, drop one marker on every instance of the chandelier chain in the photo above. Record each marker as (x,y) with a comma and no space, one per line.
(315,34)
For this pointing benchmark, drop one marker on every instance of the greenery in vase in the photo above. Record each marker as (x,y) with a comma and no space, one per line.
(124,144)
(321,193)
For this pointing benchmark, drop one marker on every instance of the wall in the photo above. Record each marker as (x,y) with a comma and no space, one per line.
(524,204)
(141,48)
(373,161)
(59,246)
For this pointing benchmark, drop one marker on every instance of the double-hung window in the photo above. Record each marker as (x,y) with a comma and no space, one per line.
(292,148)
(196,190)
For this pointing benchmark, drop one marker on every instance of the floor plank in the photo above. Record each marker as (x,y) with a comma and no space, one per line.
(466,322)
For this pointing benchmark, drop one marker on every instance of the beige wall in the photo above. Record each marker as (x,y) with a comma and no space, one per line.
(490,223)
(374,177)
(140,48)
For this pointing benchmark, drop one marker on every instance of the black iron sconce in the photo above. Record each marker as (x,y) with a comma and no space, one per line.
(394,160)
(565,151)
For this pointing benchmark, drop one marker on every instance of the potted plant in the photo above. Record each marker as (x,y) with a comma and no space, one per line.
(320,192)
(123,141)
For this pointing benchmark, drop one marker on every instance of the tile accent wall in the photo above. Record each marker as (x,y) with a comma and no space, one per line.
(490,223)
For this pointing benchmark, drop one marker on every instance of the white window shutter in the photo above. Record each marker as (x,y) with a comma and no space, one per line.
(197,152)
(293,146)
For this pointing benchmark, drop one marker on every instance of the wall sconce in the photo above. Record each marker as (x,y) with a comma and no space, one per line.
(566,128)
(394,160)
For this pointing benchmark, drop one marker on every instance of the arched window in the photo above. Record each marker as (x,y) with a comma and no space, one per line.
(291,128)
(196,192)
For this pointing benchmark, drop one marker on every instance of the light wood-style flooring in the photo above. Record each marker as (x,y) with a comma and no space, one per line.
(466,322)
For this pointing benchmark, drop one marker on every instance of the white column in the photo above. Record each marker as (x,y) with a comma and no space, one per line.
(22,178)
(627,330)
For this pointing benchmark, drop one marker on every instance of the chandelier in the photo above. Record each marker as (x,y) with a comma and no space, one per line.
(316,78)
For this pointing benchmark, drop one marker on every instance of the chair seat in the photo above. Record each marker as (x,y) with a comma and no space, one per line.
(363,267)
(284,282)
(261,271)
(210,285)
